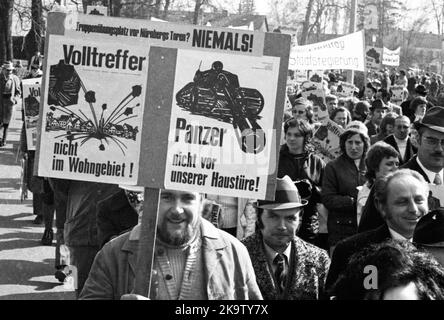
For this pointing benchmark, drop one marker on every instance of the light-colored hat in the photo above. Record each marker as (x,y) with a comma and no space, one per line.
(132,188)
(358,125)
(8,65)
(286,197)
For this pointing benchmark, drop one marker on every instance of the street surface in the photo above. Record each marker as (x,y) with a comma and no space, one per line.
(27,267)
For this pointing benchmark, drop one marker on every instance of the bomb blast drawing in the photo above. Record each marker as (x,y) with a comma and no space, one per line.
(217,94)
(65,86)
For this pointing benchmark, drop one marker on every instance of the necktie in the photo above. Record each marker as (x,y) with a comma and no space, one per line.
(279,274)
(438,180)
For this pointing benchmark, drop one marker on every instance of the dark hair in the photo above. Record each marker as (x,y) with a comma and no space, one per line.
(381,184)
(414,105)
(389,118)
(376,153)
(349,133)
(341,109)
(398,263)
(303,126)
(385,94)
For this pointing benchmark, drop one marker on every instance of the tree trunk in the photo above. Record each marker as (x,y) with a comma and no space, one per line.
(33,39)
(196,11)
(306,25)
(165,9)
(6,52)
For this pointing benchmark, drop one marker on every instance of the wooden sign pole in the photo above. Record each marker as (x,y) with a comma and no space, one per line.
(147,243)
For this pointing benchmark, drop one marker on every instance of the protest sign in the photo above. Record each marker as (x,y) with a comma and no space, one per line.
(345,52)
(373,58)
(97,10)
(94,93)
(300,75)
(31,105)
(315,92)
(192,98)
(345,90)
(326,140)
(391,57)
(399,94)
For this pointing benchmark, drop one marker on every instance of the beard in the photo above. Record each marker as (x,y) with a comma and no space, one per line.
(177,235)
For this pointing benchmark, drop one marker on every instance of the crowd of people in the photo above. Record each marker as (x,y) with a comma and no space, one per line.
(372,205)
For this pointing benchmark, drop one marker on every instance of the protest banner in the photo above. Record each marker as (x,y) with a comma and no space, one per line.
(93,124)
(326,140)
(345,52)
(31,105)
(315,92)
(345,90)
(391,57)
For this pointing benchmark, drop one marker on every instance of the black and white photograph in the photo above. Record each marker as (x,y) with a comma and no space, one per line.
(208,150)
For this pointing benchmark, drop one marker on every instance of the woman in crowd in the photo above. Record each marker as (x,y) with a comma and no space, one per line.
(402,273)
(341,116)
(417,109)
(386,128)
(342,177)
(381,159)
(296,161)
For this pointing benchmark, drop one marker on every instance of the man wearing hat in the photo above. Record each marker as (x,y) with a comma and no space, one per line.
(429,234)
(429,160)
(377,113)
(286,267)
(10,94)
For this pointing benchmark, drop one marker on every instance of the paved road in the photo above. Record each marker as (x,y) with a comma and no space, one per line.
(27,267)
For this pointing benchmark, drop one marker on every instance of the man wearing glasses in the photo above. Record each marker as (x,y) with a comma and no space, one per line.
(430,158)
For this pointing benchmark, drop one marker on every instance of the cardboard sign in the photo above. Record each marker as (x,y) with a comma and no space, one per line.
(31,106)
(161,105)
(326,141)
(373,58)
(399,94)
(315,92)
(345,90)
(391,57)
(345,52)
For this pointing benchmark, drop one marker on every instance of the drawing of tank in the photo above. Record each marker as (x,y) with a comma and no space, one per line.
(216,93)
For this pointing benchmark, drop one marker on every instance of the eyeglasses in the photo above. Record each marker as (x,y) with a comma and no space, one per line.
(433,142)
(298,111)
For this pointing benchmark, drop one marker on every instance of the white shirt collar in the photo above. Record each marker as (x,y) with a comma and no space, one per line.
(397,236)
(271,253)
(430,174)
